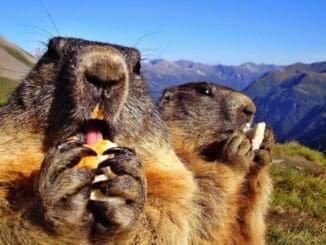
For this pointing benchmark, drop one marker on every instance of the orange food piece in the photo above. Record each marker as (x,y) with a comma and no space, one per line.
(99,147)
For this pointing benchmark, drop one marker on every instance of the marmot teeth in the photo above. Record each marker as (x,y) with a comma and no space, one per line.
(256,134)
(98,113)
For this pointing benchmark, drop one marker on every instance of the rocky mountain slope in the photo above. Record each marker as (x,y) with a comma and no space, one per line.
(293,101)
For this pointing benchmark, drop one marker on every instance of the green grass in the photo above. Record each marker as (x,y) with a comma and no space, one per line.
(293,148)
(284,236)
(17,55)
(6,87)
(298,205)
(299,192)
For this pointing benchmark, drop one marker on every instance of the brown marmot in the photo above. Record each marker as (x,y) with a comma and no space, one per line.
(148,197)
(206,121)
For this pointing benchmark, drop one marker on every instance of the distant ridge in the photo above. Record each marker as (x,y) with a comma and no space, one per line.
(293,101)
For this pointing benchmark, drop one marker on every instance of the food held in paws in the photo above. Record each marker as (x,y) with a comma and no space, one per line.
(99,147)
(256,134)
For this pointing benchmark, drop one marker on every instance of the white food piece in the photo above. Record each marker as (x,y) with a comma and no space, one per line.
(102,158)
(101,177)
(258,136)
(97,195)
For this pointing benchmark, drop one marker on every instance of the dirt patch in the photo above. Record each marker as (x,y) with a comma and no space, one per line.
(296,221)
(288,227)
(300,163)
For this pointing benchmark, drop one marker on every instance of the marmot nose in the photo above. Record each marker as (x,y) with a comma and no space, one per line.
(246,107)
(103,67)
(99,78)
(249,110)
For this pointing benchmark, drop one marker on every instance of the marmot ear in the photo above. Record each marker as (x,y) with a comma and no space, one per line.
(55,46)
(134,56)
(167,96)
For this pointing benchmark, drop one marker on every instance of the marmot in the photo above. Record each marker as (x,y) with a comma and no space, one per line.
(149,198)
(205,121)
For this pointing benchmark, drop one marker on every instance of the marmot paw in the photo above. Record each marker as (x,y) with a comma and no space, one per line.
(63,191)
(237,152)
(263,155)
(118,192)
(268,141)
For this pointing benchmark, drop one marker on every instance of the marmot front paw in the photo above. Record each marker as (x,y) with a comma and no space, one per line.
(64,191)
(118,192)
(263,155)
(237,152)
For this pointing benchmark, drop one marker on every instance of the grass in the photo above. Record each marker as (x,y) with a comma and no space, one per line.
(6,87)
(299,192)
(17,55)
(298,205)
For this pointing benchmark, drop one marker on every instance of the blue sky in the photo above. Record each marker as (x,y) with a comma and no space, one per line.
(214,32)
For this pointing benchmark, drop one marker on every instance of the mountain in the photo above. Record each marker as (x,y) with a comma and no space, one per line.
(38,52)
(312,129)
(161,73)
(293,101)
(14,65)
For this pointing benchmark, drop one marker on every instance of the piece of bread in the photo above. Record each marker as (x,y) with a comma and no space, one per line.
(256,134)
(99,147)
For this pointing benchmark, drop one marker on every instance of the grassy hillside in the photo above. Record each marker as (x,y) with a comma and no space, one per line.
(17,54)
(298,206)
(6,87)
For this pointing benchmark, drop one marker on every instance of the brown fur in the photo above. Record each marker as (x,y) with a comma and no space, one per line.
(53,103)
(205,121)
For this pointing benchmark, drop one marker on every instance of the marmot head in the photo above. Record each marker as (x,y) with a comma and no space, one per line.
(202,115)
(85,88)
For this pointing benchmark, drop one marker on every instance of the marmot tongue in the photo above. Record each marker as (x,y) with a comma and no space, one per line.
(93,135)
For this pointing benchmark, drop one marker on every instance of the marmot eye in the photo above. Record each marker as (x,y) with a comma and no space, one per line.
(204,91)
